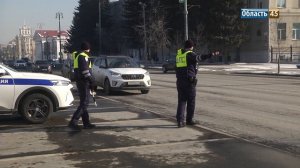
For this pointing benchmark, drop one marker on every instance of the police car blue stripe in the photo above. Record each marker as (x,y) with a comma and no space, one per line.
(41,82)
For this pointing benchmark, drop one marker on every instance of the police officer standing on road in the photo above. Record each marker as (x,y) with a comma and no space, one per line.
(186,72)
(84,83)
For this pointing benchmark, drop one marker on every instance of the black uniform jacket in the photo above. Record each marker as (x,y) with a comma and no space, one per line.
(191,70)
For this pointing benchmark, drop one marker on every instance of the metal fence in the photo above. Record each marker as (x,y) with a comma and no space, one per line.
(286,54)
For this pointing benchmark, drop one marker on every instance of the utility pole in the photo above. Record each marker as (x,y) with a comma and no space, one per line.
(59,15)
(100,45)
(144,26)
(186,20)
(186,29)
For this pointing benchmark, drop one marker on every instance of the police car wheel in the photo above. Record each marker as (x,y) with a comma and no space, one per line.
(36,107)
(106,87)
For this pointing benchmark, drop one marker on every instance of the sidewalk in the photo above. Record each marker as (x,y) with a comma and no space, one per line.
(127,136)
(247,68)
(254,68)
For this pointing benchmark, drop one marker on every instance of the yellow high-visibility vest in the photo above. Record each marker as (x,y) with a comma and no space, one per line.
(76,60)
(181,60)
(74,57)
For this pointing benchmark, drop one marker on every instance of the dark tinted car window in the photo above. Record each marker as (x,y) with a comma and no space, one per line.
(41,62)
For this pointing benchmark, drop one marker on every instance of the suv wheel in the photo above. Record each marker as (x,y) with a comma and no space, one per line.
(106,88)
(144,91)
(36,107)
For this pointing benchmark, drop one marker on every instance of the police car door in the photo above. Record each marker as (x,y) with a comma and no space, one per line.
(7,90)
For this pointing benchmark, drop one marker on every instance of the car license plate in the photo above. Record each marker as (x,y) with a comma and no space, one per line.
(134,83)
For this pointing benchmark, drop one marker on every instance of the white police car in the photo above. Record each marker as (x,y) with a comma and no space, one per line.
(33,95)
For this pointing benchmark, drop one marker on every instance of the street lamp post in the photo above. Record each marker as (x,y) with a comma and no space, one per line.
(46,46)
(186,29)
(42,49)
(186,20)
(99,27)
(145,35)
(59,15)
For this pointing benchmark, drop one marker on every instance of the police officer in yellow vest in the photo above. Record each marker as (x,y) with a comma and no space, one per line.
(186,73)
(75,64)
(84,83)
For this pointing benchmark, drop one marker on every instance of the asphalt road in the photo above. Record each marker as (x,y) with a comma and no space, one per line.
(245,121)
(262,109)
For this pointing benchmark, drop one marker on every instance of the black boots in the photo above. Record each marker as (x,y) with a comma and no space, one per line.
(89,126)
(191,122)
(74,126)
(180,124)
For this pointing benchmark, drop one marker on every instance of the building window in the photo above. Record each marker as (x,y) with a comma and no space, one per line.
(296,31)
(281,31)
(281,3)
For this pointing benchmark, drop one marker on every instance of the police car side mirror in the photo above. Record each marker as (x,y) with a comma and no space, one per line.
(2,72)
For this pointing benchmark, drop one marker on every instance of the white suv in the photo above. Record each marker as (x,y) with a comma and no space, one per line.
(114,73)
(33,95)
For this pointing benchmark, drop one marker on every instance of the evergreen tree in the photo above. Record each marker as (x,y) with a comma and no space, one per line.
(223,26)
(133,18)
(84,27)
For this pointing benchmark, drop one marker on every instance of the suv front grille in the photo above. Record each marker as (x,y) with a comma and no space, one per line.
(133,76)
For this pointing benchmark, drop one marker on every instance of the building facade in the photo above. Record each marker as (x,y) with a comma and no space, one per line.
(273,38)
(49,44)
(284,34)
(24,43)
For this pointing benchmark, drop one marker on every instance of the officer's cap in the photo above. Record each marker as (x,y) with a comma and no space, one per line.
(85,45)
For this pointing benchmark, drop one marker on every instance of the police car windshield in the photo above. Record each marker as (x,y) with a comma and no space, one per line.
(7,67)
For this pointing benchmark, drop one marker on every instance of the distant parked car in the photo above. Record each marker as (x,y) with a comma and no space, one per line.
(20,64)
(67,69)
(298,66)
(169,64)
(42,66)
(9,63)
(114,73)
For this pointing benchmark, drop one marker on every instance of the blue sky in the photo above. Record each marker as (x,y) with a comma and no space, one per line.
(13,14)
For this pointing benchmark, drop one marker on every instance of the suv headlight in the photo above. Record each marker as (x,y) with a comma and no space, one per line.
(60,82)
(114,74)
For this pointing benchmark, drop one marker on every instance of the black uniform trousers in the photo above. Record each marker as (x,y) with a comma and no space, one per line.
(83,88)
(186,99)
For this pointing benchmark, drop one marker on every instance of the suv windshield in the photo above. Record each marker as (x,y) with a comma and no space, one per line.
(121,62)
